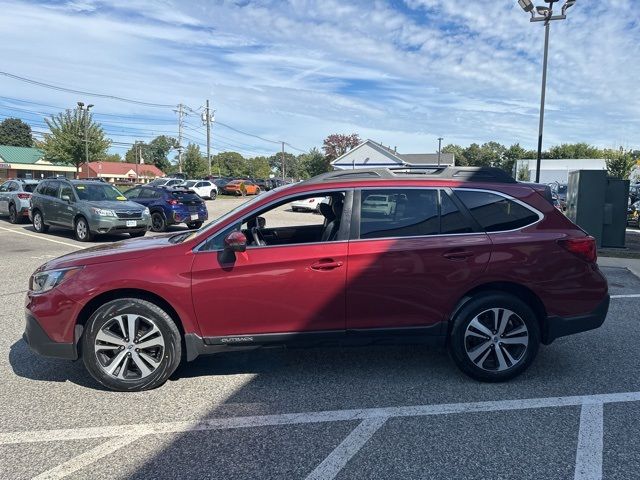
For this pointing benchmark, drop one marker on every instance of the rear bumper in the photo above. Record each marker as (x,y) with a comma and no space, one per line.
(38,340)
(556,327)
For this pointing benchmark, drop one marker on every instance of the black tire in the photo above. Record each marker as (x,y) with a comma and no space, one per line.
(168,356)
(479,306)
(258,191)
(213,194)
(81,230)
(158,222)
(13,214)
(194,225)
(137,234)
(295,209)
(38,222)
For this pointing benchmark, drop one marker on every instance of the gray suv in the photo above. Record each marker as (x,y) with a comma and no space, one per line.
(14,199)
(87,207)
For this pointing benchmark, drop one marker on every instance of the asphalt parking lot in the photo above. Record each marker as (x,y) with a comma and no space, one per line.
(371,412)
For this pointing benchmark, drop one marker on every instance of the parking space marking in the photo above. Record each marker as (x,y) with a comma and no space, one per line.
(39,237)
(85,459)
(34,436)
(631,295)
(331,466)
(590,440)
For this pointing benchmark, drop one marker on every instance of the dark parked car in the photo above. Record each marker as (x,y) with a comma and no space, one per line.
(633,215)
(221,182)
(86,206)
(465,258)
(170,206)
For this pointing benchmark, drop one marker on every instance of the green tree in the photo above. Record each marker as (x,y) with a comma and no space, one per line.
(155,152)
(620,163)
(511,156)
(232,164)
(113,157)
(14,132)
(258,167)
(66,141)
(458,153)
(314,163)
(573,150)
(291,168)
(193,163)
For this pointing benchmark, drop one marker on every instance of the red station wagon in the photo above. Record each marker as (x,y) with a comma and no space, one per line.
(464,257)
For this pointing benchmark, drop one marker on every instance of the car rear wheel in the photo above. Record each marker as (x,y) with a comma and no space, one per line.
(194,225)
(131,345)
(495,337)
(38,222)
(158,223)
(82,230)
(213,194)
(13,214)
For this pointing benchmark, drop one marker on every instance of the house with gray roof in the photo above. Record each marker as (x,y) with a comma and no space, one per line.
(370,154)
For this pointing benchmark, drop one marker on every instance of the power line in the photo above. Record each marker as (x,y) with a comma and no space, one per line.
(81,92)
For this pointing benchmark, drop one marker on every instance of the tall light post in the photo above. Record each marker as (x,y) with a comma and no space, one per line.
(85,121)
(544,14)
(439,149)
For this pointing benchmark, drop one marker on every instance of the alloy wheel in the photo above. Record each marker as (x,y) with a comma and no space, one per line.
(37,221)
(81,229)
(13,215)
(129,347)
(496,340)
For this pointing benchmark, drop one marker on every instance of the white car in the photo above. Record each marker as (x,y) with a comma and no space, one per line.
(378,204)
(204,188)
(308,204)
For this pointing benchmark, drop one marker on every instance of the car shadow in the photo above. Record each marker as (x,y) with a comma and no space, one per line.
(27,364)
(66,234)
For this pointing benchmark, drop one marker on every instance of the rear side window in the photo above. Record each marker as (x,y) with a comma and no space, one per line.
(398,213)
(30,187)
(496,213)
(185,196)
(50,189)
(451,218)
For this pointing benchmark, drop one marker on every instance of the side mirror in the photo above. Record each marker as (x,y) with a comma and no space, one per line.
(66,198)
(236,242)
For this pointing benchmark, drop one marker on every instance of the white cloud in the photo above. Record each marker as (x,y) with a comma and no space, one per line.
(299,70)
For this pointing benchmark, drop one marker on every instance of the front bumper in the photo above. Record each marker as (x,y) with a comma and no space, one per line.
(38,340)
(103,225)
(556,327)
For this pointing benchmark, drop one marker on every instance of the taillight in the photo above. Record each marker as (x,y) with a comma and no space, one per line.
(173,201)
(584,247)
(311,200)
(24,196)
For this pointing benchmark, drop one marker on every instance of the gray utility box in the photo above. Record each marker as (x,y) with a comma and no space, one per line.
(598,204)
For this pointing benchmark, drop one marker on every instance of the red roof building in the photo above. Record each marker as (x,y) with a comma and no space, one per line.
(120,172)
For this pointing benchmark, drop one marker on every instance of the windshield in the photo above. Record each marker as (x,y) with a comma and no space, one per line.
(221,219)
(96,192)
(190,183)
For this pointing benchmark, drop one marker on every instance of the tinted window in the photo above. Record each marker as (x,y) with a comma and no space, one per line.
(96,192)
(451,218)
(495,213)
(187,196)
(66,190)
(398,213)
(4,186)
(133,193)
(30,187)
(51,189)
(13,187)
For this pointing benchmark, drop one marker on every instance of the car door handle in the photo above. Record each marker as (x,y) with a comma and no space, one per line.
(327,264)
(458,254)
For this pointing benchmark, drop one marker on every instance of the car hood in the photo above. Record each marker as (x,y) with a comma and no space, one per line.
(117,205)
(112,252)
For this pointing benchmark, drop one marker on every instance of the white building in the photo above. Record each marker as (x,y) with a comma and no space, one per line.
(370,154)
(557,169)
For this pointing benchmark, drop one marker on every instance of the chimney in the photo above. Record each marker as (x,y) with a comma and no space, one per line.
(395,149)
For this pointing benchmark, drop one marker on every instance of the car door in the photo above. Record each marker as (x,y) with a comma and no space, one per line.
(410,263)
(272,289)
(4,197)
(65,209)
(50,202)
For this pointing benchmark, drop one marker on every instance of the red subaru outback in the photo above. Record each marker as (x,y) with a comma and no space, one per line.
(458,256)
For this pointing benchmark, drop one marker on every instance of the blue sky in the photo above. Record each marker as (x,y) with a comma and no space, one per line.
(402,72)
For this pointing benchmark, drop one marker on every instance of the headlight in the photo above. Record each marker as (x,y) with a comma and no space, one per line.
(44,281)
(103,212)
(146,212)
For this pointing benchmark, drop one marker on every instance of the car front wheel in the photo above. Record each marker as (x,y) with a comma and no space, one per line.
(13,214)
(495,337)
(131,345)
(158,223)
(82,230)
(213,194)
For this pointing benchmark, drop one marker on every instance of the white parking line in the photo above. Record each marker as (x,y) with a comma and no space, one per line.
(590,439)
(40,237)
(107,431)
(85,459)
(336,461)
(633,295)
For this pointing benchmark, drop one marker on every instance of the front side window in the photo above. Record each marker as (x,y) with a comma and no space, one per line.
(496,213)
(399,213)
(66,190)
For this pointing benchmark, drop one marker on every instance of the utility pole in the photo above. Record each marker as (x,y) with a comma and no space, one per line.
(138,156)
(180,115)
(208,119)
(439,149)
(85,123)
(282,161)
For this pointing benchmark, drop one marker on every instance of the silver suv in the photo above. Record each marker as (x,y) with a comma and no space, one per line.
(87,207)
(14,199)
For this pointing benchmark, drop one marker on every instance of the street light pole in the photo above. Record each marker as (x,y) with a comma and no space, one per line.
(439,149)
(544,14)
